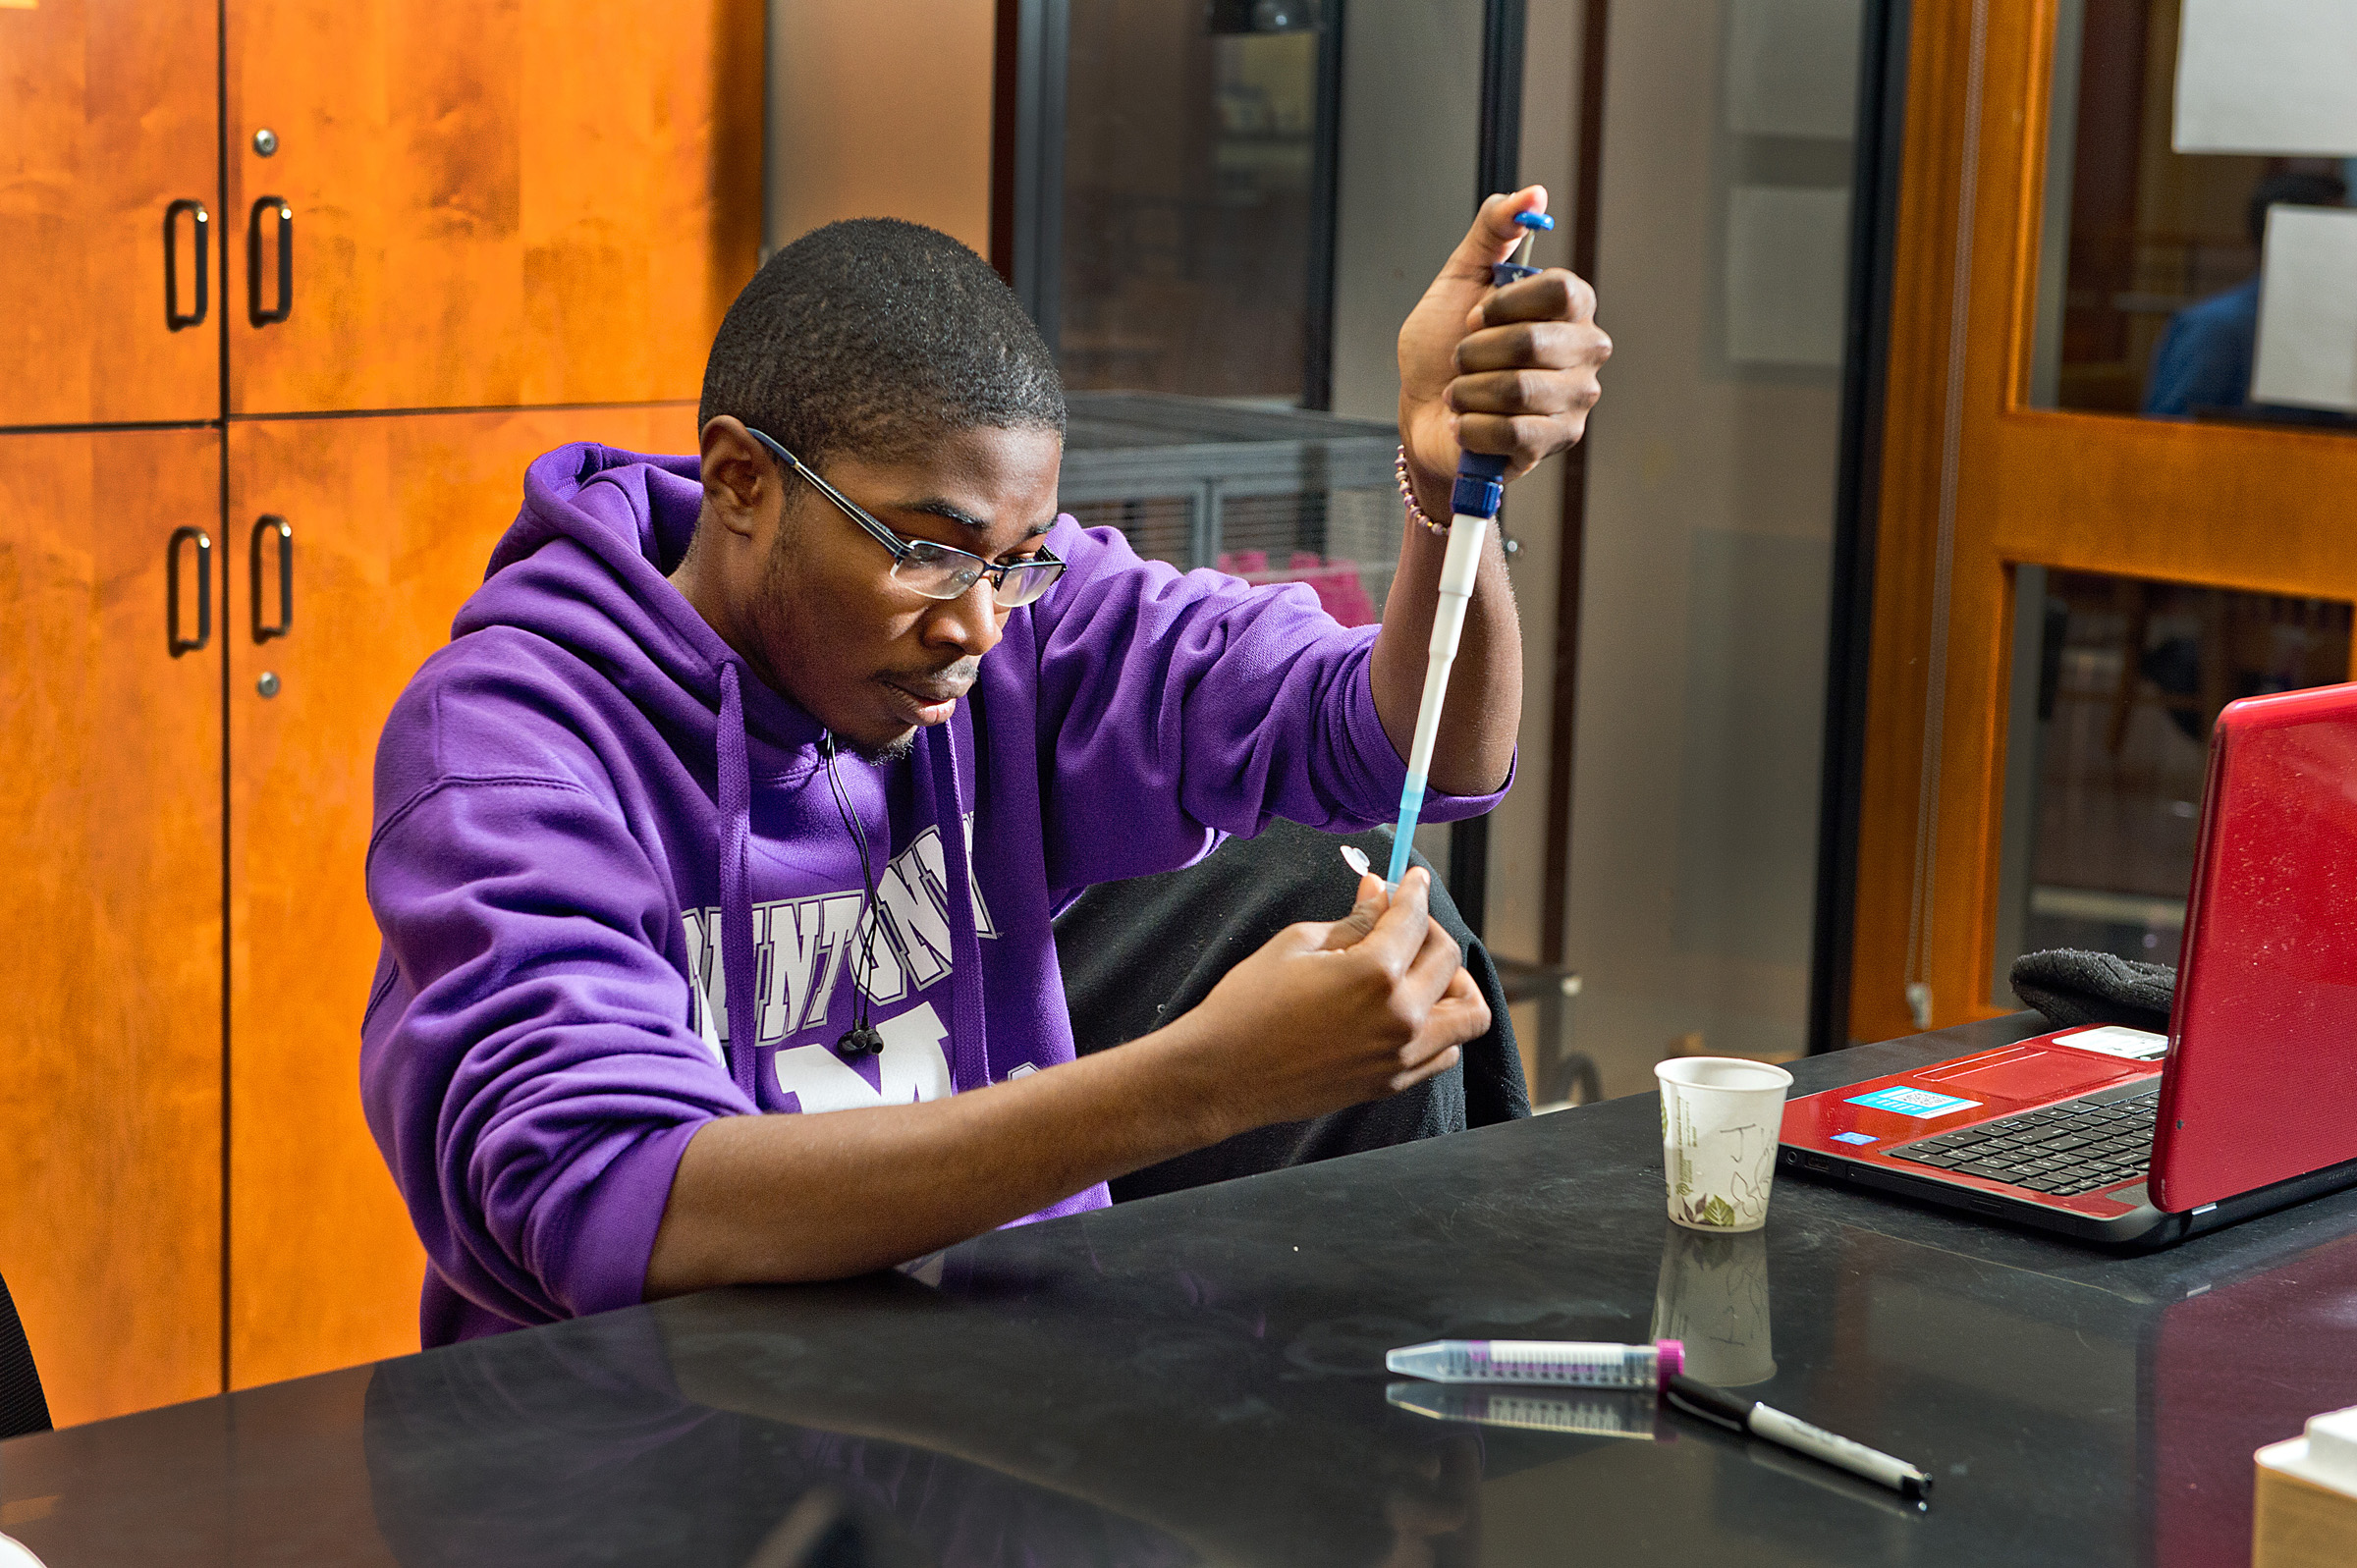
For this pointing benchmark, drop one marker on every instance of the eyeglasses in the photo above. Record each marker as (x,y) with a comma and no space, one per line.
(936,570)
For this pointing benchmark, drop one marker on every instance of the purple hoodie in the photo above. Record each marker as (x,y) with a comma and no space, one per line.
(619,897)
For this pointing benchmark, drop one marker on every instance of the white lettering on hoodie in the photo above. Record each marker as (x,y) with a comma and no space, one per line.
(914,1063)
(803,948)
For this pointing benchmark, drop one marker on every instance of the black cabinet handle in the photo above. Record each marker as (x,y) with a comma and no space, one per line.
(267,523)
(203,221)
(205,591)
(253,262)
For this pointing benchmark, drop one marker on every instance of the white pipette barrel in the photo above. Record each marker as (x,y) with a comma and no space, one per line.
(1474,502)
(1467,533)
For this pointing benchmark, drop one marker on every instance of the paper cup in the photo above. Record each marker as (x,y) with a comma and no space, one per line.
(1713,1299)
(1719,1118)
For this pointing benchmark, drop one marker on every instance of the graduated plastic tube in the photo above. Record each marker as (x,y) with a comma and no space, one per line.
(1578,1363)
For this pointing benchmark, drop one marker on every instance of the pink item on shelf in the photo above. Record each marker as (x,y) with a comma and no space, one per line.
(1336,586)
(1243,562)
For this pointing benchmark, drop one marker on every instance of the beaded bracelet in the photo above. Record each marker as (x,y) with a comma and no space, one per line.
(1408,493)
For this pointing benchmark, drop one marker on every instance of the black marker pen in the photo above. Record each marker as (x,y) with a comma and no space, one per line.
(1737,1414)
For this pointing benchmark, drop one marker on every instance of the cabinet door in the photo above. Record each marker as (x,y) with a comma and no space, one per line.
(109,115)
(489,202)
(110,1077)
(388,522)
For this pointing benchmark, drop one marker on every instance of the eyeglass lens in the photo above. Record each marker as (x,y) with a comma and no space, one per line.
(941,573)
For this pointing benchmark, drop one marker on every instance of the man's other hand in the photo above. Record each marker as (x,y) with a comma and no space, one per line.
(1328,1014)
(1509,371)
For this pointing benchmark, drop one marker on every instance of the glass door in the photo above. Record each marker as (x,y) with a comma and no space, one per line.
(2125,366)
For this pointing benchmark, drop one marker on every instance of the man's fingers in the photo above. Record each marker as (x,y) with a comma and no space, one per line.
(1523,440)
(1398,931)
(1460,1014)
(1409,1077)
(1494,233)
(1512,391)
(1438,959)
(1353,927)
(1452,1021)
(1556,295)
(1463,1013)
(1529,344)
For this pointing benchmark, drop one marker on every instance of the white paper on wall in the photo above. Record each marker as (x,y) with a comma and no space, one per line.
(2308,309)
(1792,67)
(2267,76)
(1787,264)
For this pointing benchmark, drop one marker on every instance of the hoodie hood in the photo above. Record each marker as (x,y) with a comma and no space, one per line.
(588,566)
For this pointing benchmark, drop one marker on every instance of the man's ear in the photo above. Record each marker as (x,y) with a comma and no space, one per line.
(739,478)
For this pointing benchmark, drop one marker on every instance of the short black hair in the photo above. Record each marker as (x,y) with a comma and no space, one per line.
(2299,189)
(876,336)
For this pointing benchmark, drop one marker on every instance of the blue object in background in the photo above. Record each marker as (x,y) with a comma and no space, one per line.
(2204,360)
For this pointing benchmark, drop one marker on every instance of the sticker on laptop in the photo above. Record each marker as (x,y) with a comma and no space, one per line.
(1855,1137)
(2136,1045)
(1908,1101)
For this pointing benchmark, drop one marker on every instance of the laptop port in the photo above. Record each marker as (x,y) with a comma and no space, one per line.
(1817,1162)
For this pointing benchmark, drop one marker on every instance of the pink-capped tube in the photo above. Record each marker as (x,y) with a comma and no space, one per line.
(1573,1363)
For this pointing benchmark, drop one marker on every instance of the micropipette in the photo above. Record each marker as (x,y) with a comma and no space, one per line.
(1473,501)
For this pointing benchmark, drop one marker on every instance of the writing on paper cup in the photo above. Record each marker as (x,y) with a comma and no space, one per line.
(1719,1119)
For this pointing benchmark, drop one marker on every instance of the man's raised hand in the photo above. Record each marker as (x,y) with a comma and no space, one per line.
(1510,371)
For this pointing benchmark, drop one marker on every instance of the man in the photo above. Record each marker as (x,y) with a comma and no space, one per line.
(726,798)
(2205,358)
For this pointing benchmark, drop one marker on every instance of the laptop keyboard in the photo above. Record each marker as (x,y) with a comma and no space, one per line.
(2062,1150)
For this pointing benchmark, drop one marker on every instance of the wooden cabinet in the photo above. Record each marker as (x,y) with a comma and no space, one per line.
(110,915)
(107,116)
(489,204)
(387,524)
(493,206)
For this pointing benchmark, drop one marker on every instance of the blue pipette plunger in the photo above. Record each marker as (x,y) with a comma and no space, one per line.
(1474,503)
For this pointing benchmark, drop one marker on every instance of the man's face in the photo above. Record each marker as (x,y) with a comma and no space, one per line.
(873,659)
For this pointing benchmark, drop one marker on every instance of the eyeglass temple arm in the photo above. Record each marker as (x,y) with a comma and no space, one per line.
(996,571)
(843,502)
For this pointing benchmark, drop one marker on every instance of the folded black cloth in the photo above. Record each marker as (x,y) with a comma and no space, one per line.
(2074,989)
(22,1408)
(1136,954)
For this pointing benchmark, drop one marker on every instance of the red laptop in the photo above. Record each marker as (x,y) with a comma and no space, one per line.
(2249,1103)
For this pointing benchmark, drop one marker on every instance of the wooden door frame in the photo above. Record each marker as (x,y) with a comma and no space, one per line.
(2228,506)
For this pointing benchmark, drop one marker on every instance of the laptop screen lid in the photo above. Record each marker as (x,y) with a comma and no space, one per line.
(2261,1084)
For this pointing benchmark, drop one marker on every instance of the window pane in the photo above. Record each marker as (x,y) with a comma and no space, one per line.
(1712,493)
(2116,683)
(1186,198)
(2200,259)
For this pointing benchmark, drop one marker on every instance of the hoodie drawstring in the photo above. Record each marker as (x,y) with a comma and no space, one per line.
(967,1036)
(736,966)
(740,972)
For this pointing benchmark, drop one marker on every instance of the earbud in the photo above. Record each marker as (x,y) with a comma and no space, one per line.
(859,1040)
